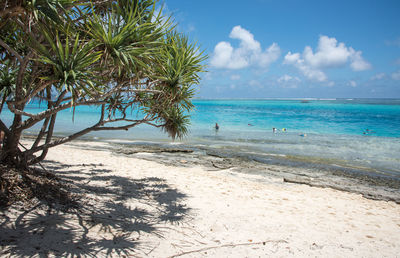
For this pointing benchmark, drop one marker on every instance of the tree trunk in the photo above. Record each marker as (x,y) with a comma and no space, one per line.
(10,153)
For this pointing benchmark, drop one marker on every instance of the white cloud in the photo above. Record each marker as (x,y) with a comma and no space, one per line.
(288,78)
(248,53)
(224,57)
(235,77)
(308,71)
(288,81)
(396,75)
(357,62)
(247,40)
(255,83)
(352,83)
(269,56)
(329,54)
(378,76)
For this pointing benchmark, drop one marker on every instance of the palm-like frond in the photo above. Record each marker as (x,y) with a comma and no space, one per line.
(7,79)
(121,54)
(70,62)
(126,35)
(50,9)
(175,122)
(179,65)
(7,82)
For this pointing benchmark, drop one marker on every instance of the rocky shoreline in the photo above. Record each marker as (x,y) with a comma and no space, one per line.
(369,186)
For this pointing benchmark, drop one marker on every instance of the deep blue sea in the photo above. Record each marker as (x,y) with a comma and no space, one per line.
(362,134)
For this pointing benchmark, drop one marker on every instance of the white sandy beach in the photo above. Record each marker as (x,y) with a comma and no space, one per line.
(146,209)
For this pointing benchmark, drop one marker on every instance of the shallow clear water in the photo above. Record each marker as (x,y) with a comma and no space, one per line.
(359,134)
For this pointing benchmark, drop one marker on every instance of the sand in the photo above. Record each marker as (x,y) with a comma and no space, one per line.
(141,208)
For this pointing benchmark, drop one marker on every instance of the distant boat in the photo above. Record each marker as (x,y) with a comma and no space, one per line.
(305,101)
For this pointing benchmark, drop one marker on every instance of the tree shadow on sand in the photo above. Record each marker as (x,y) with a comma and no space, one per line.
(106,215)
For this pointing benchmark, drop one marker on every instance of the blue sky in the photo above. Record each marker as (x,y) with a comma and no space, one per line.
(293,48)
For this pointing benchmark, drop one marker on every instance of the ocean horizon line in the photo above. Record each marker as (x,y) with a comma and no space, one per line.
(300,98)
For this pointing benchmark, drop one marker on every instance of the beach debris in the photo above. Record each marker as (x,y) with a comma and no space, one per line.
(216,165)
(28,186)
(315,246)
(230,245)
(152,149)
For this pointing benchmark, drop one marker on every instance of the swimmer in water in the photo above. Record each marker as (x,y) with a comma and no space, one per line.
(367,131)
(216,126)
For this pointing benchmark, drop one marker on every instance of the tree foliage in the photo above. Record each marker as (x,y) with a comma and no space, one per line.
(119,55)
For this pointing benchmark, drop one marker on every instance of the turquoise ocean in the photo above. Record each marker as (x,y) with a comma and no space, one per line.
(354,135)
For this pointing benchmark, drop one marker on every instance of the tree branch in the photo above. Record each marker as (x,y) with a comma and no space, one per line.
(114,128)
(146,90)
(45,123)
(30,96)
(38,117)
(15,53)
(4,128)
(76,135)
(17,111)
(12,11)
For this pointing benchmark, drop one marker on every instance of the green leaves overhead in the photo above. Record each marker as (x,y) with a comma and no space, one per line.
(120,54)
(128,35)
(49,8)
(7,79)
(175,122)
(71,62)
(180,60)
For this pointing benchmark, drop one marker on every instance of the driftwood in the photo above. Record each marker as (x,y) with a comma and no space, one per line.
(312,184)
(154,150)
(299,181)
(228,245)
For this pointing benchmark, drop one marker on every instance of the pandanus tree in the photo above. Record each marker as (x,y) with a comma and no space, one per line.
(119,55)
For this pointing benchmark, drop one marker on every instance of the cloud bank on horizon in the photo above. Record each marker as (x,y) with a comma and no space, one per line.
(311,64)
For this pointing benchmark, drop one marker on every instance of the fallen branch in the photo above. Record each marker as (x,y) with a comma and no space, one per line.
(227,245)
(297,181)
